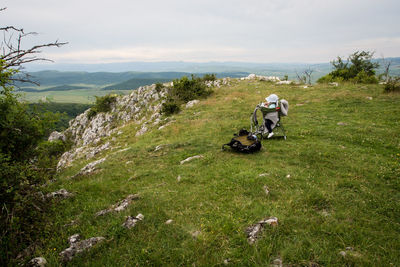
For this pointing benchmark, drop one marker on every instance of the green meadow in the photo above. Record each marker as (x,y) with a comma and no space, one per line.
(334,185)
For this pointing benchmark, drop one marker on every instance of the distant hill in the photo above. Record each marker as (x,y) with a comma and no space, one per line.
(149,78)
(55,88)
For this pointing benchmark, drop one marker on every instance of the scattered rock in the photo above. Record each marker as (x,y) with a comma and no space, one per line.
(226,261)
(369,97)
(288,176)
(77,246)
(72,223)
(263,174)
(93,151)
(305,87)
(277,263)
(192,103)
(342,253)
(195,234)
(254,231)
(120,206)
(299,105)
(159,147)
(191,158)
(342,123)
(284,82)
(169,221)
(89,168)
(62,193)
(131,221)
(334,84)
(55,136)
(178,178)
(142,131)
(38,262)
(266,190)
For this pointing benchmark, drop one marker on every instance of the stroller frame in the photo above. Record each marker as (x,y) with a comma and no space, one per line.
(261,131)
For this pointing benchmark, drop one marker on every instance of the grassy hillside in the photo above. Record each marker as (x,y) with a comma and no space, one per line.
(334,184)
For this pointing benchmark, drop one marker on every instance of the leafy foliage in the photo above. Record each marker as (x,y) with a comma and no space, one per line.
(103,104)
(184,90)
(358,68)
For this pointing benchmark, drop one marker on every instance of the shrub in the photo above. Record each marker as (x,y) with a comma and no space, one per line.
(103,104)
(358,68)
(393,85)
(159,86)
(186,89)
(209,77)
(169,108)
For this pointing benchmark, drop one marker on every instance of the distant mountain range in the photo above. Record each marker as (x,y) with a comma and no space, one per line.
(114,76)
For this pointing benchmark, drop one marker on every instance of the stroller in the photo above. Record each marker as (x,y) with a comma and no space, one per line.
(275,111)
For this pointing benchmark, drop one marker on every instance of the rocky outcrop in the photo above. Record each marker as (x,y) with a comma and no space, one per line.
(261,78)
(131,221)
(77,246)
(120,206)
(254,231)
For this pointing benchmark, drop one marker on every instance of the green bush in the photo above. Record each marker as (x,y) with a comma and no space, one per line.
(358,68)
(159,86)
(103,104)
(22,212)
(393,85)
(186,89)
(209,77)
(169,108)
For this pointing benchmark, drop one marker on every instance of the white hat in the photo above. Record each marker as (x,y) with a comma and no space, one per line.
(272,98)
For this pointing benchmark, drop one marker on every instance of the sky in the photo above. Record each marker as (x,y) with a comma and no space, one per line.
(261,31)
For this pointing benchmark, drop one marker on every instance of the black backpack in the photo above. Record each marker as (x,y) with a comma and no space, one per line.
(245,142)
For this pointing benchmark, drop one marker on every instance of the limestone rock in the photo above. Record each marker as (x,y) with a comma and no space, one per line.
(191,158)
(255,230)
(57,136)
(38,262)
(62,193)
(169,221)
(266,190)
(90,168)
(77,246)
(131,221)
(192,103)
(120,206)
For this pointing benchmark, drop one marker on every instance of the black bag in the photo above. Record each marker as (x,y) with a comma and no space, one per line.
(244,142)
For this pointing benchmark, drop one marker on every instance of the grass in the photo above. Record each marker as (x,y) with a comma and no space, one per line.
(331,186)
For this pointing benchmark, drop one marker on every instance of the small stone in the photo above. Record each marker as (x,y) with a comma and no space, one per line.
(342,253)
(159,147)
(254,231)
(369,97)
(288,176)
(131,221)
(226,261)
(266,190)
(341,123)
(350,248)
(62,193)
(169,221)
(263,174)
(38,262)
(77,247)
(192,103)
(191,158)
(74,238)
(178,178)
(277,263)
(195,234)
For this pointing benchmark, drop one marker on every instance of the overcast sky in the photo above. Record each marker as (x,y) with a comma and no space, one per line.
(208,30)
